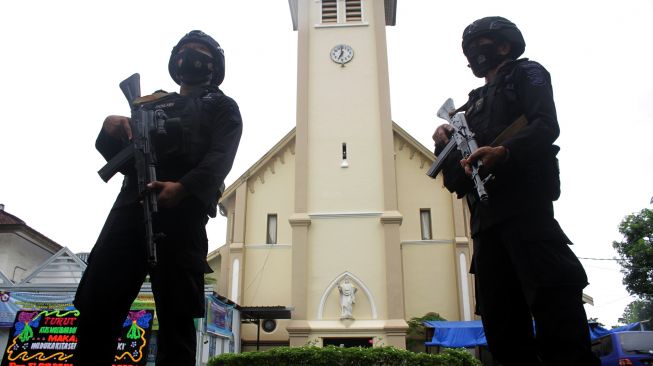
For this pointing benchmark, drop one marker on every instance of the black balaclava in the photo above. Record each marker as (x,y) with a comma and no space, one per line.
(484,58)
(193,67)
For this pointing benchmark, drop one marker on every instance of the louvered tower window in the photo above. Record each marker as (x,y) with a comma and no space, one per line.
(342,11)
(353,10)
(329,11)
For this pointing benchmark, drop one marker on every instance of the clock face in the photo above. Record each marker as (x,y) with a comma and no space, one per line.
(342,54)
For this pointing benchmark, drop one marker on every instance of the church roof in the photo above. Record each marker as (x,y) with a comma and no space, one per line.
(288,142)
(276,149)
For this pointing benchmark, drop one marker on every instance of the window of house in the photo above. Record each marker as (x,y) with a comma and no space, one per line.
(425,223)
(271,237)
(342,11)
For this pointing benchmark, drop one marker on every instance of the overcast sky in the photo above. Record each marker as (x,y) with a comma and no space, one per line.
(63,60)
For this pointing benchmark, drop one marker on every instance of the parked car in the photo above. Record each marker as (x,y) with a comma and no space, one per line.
(633,348)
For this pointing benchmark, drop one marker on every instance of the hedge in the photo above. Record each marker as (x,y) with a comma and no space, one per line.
(336,356)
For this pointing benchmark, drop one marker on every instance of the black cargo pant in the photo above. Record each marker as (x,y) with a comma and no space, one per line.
(116,270)
(529,294)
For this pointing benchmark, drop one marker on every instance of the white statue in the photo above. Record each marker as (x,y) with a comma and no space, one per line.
(347,299)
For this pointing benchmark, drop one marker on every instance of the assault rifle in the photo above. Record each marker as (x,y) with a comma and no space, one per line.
(463,139)
(143,123)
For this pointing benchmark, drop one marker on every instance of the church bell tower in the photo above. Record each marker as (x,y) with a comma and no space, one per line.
(345,225)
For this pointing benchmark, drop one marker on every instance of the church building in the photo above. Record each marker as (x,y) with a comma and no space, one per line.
(338,221)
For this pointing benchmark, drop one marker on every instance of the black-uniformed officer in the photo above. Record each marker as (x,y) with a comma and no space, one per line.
(193,161)
(524,270)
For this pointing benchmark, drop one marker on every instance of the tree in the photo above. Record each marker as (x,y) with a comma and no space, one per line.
(595,321)
(636,259)
(636,311)
(416,331)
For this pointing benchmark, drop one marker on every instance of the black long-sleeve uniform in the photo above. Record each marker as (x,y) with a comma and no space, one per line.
(523,267)
(198,152)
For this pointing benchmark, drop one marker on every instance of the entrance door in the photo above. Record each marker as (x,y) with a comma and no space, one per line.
(347,342)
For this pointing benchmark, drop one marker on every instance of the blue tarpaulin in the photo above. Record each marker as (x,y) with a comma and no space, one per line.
(470,334)
(597,331)
(457,334)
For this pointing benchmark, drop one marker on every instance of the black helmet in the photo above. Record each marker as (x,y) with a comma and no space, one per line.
(203,38)
(495,27)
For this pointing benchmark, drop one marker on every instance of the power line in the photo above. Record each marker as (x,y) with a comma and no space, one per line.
(615,259)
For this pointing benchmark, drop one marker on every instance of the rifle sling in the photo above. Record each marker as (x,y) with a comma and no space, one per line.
(510,131)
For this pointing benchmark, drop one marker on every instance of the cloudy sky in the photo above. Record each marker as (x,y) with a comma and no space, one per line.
(63,60)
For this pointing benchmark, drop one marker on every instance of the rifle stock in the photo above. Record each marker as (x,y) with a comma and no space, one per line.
(438,164)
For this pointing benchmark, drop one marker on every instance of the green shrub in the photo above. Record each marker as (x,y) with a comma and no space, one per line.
(335,356)
(416,331)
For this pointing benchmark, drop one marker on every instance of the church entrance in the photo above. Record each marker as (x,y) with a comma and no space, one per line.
(347,342)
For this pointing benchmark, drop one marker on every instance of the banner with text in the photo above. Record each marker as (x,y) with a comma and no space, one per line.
(47,338)
(219,317)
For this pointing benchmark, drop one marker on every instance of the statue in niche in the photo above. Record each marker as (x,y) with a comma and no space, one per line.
(347,298)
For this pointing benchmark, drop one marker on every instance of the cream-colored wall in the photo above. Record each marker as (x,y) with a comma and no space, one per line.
(248,331)
(270,191)
(430,280)
(224,275)
(266,274)
(266,283)
(343,106)
(430,276)
(266,280)
(346,244)
(416,190)
(216,265)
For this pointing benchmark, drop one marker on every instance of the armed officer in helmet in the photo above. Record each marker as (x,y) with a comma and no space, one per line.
(194,158)
(525,272)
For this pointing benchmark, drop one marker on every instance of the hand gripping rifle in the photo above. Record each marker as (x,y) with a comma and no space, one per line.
(463,139)
(143,123)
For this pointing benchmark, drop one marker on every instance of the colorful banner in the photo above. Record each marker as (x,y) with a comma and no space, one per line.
(47,338)
(12,302)
(218,317)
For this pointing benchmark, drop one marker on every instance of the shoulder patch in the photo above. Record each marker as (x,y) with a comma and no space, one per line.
(535,73)
(212,96)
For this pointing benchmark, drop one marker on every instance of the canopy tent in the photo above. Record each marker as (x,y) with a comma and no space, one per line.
(469,334)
